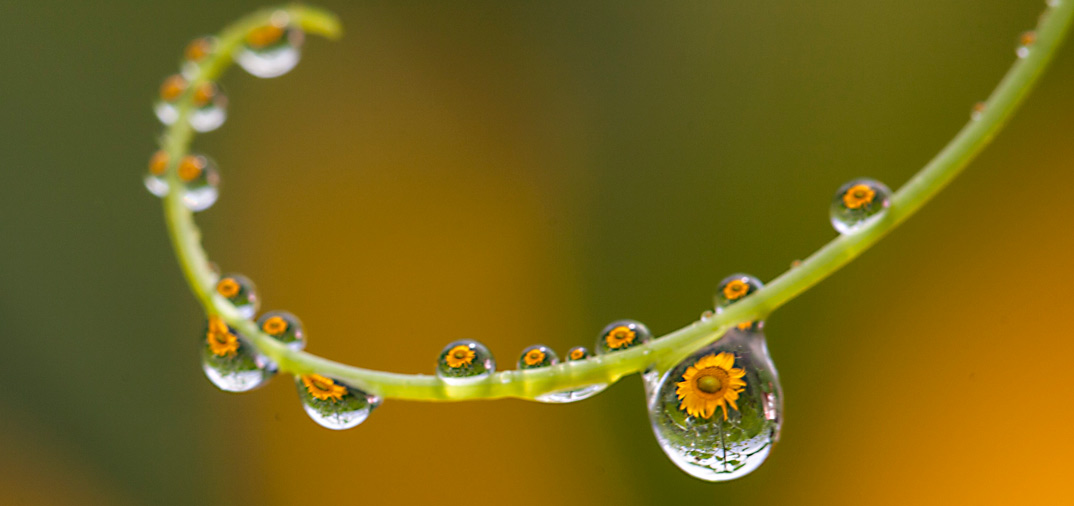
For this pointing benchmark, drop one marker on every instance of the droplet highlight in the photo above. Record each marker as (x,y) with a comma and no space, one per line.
(240,292)
(622,335)
(155,178)
(464,362)
(537,356)
(283,327)
(717,414)
(201,182)
(210,108)
(271,50)
(857,203)
(332,403)
(230,362)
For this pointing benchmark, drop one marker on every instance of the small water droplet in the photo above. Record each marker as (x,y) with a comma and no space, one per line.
(332,403)
(717,414)
(621,335)
(1025,43)
(734,288)
(977,111)
(154,179)
(171,89)
(537,356)
(240,292)
(463,362)
(271,50)
(858,202)
(707,314)
(195,55)
(201,181)
(563,396)
(210,108)
(230,362)
(284,327)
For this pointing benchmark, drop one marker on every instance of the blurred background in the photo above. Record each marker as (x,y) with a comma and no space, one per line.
(527,172)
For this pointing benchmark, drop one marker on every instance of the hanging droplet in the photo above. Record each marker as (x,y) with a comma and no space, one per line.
(195,54)
(284,327)
(155,180)
(537,356)
(977,111)
(1025,43)
(272,50)
(463,362)
(332,403)
(210,108)
(622,334)
(240,292)
(230,362)
(201,182)
(170,90)
(734,288)
(857,202)
(574,355)
(717,414)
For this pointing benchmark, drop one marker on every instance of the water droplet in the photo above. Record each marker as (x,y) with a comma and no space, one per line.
(578,353)
(154,179)
(622,334)
(1025,43)
(717,414)
(707,314)
(977,111)
(195,54)
(463,362)
(240,292)
(201,182)
(857,202)
(332,403)
(573,355)
(734,288)
(537,356)
(210,108)
(171,89)
(271,50)
(284,327)
(230,362)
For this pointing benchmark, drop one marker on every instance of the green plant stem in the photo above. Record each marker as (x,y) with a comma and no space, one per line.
(660,353)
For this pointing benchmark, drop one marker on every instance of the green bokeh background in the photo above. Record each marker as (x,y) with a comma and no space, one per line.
(523,172)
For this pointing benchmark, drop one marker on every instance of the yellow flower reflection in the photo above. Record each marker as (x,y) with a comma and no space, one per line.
(710,383)
(858,196)
(221,341)
(533,357)
(460,356)
(620,337)
(323,388)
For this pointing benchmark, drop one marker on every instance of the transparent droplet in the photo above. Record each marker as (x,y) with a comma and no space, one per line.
(465,361)
(230,362)
(1025,43)
(195,54)
(857,202)
(621,335)
(240,292)
(578,353)
(155,179)
(734,288)
(170,91)
(717,414)
(284,327)
(271,50)
(210,108)
(977,111)
(332,403)
(537,356)
(201,182)
(573,355)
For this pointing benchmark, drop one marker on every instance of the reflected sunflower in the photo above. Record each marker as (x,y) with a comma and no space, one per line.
(460,356)
(736,289)
(710,383)
(619,337)
(858,196)
(323,388)
(221,341)
(534,357)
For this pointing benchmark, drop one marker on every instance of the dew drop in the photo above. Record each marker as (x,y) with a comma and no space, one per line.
(463,362)
(201,182)
(856,203)
(230,362)
(240,292)
(154,179)
(195,54)
(332,403)
(171,89)
(271,50)
(1025,43)
(977,111)
(284,327)
(728,417)
(537,356)
(210,108)
(621,335)
(734,288)
(574,355)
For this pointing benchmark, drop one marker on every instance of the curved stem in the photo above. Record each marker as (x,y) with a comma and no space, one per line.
(661,352)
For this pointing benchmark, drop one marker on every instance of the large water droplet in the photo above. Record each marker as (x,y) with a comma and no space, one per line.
(171,89)
(201,182)
(284,327)
(332,403)
(734,288)
(195,54)
(621,335)
(1025,43)
(210,108)
(240,292)
(230,362)
(717,414)
(465,361)
(271,50)
(155,179)
(857,202)
(537,356)
(575,354)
